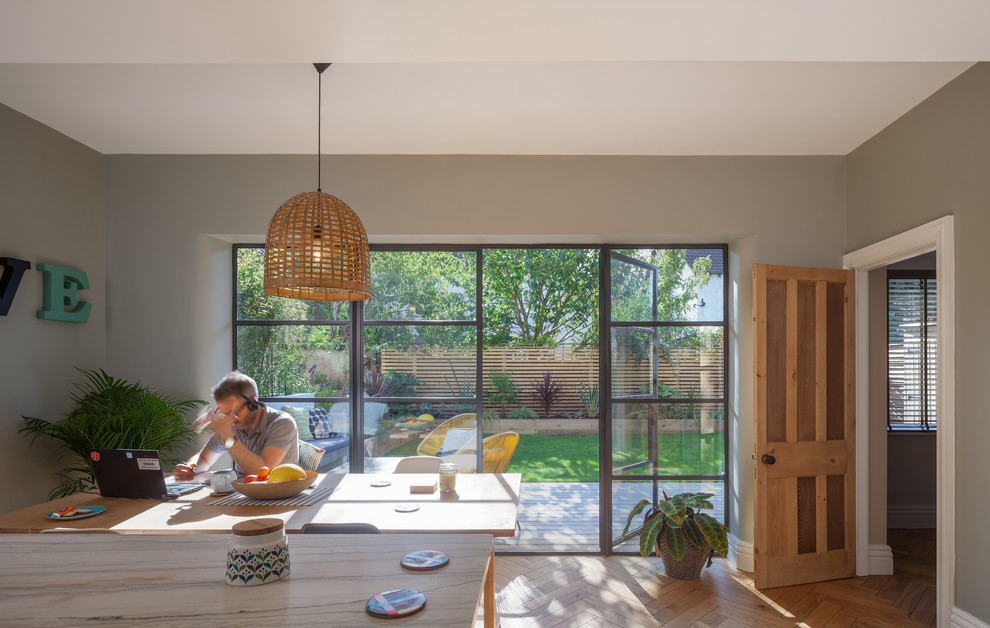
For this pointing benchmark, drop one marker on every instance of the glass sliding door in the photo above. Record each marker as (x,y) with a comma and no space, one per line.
(666,399)
(541,382)
(421,354)
(298,353)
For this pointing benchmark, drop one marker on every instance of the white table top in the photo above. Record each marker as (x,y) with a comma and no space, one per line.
(178,580)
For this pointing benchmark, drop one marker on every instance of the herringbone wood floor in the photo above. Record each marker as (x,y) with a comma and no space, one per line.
(633,592)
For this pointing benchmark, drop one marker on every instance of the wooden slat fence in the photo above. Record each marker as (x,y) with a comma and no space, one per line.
(452,372)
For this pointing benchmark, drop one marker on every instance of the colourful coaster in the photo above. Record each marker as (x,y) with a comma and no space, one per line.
(398,603)
(424,560)
(407,508)
(381,483)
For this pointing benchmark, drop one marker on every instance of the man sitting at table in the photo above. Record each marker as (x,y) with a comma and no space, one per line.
(246,428)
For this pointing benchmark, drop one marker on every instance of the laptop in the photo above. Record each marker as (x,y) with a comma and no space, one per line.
(135,473)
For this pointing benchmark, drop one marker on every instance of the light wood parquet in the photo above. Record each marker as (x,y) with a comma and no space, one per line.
(633,592)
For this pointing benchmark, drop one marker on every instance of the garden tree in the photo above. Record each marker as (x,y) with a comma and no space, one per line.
(540,296)
(420,286)
(677,285)
(677,290)
(277,356)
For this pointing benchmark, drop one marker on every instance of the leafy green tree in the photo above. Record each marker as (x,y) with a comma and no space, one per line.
(540,296)
(278,357)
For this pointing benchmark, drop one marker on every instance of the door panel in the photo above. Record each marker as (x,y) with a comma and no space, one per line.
(804,424)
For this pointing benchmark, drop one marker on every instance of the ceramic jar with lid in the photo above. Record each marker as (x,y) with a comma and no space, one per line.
(258,552)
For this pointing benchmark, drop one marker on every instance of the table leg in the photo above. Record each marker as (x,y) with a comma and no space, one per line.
(490,592)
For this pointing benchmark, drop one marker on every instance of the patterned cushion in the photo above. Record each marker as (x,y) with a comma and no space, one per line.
(309,456)
(319,424)
(301,416)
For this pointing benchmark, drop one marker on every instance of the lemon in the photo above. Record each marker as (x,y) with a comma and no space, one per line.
(425,417)
(286,472)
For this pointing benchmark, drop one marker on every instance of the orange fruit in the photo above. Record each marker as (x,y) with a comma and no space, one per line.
(263,473)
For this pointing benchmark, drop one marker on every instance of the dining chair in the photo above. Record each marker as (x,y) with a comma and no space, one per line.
(418,464)
(339,528)
(460,429)
(497,450)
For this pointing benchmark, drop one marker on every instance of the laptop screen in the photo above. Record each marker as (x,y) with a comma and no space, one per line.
(134,473)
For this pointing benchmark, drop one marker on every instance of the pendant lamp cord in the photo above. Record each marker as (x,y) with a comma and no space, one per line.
(319,132)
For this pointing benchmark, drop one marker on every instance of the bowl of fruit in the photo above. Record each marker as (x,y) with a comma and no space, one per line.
(285,480)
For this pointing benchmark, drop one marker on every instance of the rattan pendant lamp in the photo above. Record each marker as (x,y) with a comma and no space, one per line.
(317,248)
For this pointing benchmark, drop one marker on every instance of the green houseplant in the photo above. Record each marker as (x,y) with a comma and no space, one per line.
(684,538)
(111,413)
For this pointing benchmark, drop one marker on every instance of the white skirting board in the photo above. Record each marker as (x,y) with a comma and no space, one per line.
(881,560)
(962,619)
(741,554)
(911,516)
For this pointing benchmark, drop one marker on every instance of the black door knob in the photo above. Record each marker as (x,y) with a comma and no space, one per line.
(768,459)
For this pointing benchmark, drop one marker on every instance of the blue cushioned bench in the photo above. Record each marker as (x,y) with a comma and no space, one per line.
(335,451)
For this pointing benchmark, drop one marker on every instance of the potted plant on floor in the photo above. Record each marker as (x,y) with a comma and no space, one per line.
(111,413)
(684,538)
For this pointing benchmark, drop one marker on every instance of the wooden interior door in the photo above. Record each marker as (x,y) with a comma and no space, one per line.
(805,413)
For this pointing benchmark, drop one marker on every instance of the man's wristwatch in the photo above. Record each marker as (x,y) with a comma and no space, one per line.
(227,444)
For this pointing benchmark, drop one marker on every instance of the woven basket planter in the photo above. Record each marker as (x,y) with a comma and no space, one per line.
(689,567)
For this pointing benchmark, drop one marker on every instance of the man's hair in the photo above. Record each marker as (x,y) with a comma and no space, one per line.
(235,384)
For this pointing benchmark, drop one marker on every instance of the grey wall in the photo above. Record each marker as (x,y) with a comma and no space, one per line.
(931,162)
(51,190)
(171,218)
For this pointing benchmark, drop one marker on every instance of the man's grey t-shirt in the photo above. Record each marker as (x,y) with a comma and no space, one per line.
(276,429)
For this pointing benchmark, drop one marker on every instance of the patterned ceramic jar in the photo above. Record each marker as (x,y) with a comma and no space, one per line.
(258,553)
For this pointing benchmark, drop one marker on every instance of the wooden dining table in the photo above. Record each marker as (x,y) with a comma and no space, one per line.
(485,503)
(178,580)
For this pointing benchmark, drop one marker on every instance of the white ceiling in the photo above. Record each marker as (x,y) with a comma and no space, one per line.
(568,77)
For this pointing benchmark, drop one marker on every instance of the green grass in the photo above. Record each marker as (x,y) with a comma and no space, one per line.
(574,458)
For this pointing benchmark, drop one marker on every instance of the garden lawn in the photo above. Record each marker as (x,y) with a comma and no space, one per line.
(574,458)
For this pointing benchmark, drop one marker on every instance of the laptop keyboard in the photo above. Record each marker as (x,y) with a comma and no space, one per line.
(182,488)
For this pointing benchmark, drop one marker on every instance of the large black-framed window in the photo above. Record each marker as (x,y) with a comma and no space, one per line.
(911,351)
(661,321)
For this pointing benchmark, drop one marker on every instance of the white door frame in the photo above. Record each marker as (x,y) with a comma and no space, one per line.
(934,236)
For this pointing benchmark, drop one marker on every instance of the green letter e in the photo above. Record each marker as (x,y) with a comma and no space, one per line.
(59,294)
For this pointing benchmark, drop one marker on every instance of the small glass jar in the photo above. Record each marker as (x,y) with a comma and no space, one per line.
(448,477)
(258,553)
(222,481)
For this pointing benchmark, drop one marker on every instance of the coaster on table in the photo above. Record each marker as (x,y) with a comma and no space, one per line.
(424,560)
(398,603)
(381,483)
(407,508)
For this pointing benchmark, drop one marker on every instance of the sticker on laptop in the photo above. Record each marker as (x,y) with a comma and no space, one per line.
(95,455)
(149,464)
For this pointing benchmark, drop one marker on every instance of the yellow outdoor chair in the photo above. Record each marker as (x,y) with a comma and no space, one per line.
(436,443)
(497,452)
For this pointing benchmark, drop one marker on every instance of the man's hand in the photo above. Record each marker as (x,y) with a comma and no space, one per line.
(184,472)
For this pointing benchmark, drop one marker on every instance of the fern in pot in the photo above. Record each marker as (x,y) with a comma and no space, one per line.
(111,413)
(684,538)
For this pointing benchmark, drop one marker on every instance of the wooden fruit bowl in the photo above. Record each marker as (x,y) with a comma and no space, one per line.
(275,490)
